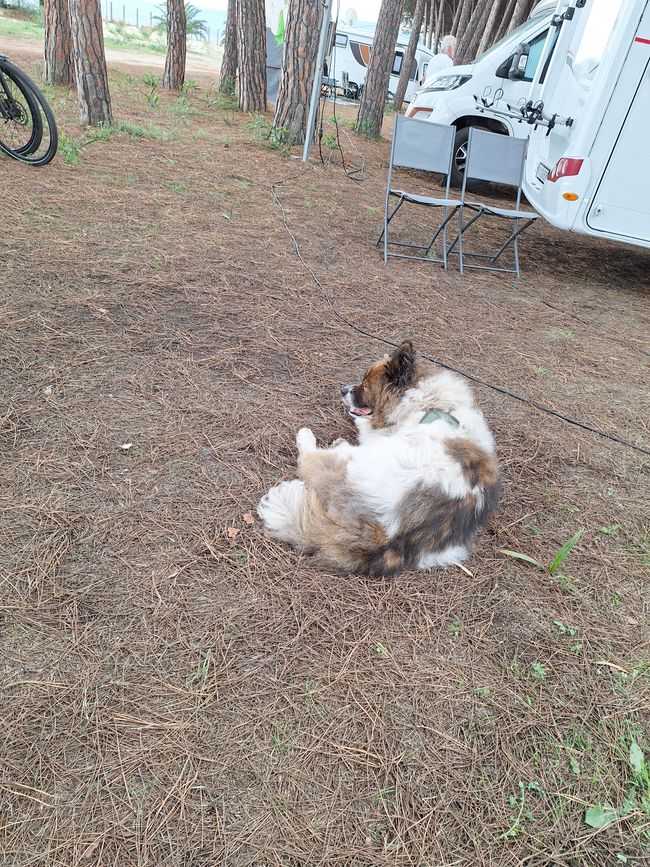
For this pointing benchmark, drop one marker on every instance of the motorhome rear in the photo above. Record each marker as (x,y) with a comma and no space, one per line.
(587,169)
(452,97)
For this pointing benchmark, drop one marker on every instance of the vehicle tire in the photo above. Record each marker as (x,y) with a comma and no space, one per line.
(27,126)
(458,162)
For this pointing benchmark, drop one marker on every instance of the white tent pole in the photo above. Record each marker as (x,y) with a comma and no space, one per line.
(318,74)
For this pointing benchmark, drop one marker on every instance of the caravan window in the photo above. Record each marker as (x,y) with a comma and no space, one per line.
(340,40)
(397,63)
(536,48)
(593,40)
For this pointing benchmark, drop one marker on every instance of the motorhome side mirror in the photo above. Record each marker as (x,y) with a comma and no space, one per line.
(519,61)
(503,69)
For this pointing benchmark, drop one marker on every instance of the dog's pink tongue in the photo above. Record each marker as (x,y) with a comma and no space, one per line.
(362,410)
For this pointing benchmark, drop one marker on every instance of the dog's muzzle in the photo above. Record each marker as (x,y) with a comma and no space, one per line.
(347,396)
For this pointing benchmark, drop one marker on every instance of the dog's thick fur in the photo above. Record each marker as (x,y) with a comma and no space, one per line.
(410,495)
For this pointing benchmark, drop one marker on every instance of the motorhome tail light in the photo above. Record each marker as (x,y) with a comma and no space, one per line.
(565,168)
(416,109)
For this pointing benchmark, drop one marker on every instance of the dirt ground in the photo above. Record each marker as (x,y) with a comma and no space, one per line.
(175,693)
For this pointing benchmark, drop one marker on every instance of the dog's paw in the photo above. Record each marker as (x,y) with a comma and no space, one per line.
(305,440)
(339,441)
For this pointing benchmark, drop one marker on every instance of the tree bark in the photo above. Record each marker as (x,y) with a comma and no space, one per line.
(504,25)
(375,89)
(492,24)
(174,74)
(58,43)
(251,45)
(433,17)
(469,39)
(458,13)
(520,13)
(440,25)
(90,62)
(228,72)
(302,35)
(409,56)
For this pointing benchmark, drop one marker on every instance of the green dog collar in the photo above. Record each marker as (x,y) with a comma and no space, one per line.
(435,414)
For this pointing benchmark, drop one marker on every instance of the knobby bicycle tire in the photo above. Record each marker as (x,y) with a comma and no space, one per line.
(28,153)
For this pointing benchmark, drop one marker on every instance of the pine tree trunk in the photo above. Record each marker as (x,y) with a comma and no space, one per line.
(302,36)
(409,55)
(174,74)
(520,13)
(375,89)
(433,17)
(228,72)
(90,62)
(460,6)
(491,26)
(251,43)
(469,38)
(58,43)
(440,25)
(504,25)
(478,26)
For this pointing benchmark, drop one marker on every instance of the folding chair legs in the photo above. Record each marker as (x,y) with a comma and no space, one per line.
(388,218)
(492,257)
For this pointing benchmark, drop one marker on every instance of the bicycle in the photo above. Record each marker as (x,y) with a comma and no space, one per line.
(27,126)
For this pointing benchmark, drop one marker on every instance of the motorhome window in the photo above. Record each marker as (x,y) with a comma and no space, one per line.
(397,63)
(592,42)
(536,49)
(425,66)
(517,35)
(341,40)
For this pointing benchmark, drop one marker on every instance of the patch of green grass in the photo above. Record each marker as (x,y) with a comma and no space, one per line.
(556,563)
(198,678)
(384,796)
(20,28)
(176,186)
(539,670)
(560,627)
(611,530)
(273,137)
(70,149)
(455,629)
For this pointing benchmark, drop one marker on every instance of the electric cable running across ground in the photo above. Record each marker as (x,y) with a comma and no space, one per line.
(329,301)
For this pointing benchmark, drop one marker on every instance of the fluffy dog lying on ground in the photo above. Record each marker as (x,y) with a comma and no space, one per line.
(415,490)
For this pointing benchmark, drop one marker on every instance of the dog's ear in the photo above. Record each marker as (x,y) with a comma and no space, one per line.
(400,368)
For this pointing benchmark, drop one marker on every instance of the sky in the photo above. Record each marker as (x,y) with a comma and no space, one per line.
(367,10)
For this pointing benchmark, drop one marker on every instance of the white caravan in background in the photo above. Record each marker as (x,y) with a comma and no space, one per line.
(587,165)
(348,61)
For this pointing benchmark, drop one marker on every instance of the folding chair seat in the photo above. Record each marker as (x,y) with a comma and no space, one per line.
(429,147)
(499,159)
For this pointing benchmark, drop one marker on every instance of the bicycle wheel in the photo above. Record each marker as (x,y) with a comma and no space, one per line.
(21,127)
(22,105)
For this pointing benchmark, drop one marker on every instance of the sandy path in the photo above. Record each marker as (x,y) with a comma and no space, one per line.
(204,67)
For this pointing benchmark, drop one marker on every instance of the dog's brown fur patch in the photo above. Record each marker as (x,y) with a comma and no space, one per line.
(431,523)
(479,468)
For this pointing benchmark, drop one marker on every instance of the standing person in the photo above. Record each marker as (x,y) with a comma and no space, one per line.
(442,61)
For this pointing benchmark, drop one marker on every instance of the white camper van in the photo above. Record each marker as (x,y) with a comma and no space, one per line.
(452,97)
(587,165)
(348,62)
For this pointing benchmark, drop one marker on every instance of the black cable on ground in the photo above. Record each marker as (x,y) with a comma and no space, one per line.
(329,301)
